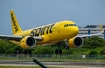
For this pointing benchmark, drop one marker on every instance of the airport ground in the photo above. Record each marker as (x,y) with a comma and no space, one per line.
(52,61)
(52,66)
(30,64)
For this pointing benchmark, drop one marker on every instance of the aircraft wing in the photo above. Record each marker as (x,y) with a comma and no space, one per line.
(87,35)
(16,38)
(96,34)
(10,37)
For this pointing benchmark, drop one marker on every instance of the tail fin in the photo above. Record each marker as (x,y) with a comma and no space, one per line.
(15,26)
(101,27)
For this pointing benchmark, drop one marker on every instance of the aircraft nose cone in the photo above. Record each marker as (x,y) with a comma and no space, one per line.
(72,31)
(75,31)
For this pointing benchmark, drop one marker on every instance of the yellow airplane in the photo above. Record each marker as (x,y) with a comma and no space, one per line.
(46,35)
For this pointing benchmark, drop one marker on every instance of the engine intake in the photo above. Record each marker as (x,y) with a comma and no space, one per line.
(30,41)
(27,42)
(75,42)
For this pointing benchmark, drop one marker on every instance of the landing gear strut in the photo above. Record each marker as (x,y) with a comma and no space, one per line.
(58,51)
(66,42)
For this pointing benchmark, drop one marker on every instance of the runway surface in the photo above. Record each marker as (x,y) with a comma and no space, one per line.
(55,64)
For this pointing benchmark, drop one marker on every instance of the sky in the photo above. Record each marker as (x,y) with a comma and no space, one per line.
(34,13)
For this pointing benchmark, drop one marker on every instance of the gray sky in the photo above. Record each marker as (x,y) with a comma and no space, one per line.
(34,13)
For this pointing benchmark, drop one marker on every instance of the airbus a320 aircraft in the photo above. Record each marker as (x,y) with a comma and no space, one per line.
(66,31)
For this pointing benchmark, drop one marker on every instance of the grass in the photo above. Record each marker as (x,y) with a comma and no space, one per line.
(19,67)
(55,60)
(63,58)
(24,67)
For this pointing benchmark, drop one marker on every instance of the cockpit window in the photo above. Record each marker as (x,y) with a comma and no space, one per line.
(66,25)
(74,24)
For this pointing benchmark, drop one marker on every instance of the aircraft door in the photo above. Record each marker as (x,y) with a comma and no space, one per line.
(58,28)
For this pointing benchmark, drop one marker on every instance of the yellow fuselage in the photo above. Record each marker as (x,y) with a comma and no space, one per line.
(53,32)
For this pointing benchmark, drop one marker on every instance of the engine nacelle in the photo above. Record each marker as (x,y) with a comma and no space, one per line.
(75,42)
(27,42)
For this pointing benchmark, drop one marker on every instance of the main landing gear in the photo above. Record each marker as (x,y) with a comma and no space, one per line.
(27,52)
(58,51)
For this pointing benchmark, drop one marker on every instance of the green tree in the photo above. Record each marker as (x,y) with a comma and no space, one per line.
(68,51)
(2,49)
(93,42)
(93,52)
(102,52)
(43,50)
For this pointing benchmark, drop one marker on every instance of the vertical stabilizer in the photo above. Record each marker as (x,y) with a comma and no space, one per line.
(15,26)
(101,28)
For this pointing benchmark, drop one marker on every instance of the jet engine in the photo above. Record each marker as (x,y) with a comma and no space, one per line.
(75,42)
(27,42)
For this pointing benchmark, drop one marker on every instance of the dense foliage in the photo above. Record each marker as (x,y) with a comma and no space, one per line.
(93,45)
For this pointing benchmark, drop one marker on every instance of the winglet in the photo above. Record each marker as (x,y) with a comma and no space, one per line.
(15,26)
(101,28)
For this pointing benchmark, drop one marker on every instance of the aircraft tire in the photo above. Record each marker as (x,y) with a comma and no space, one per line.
(25,51)
(58,51)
